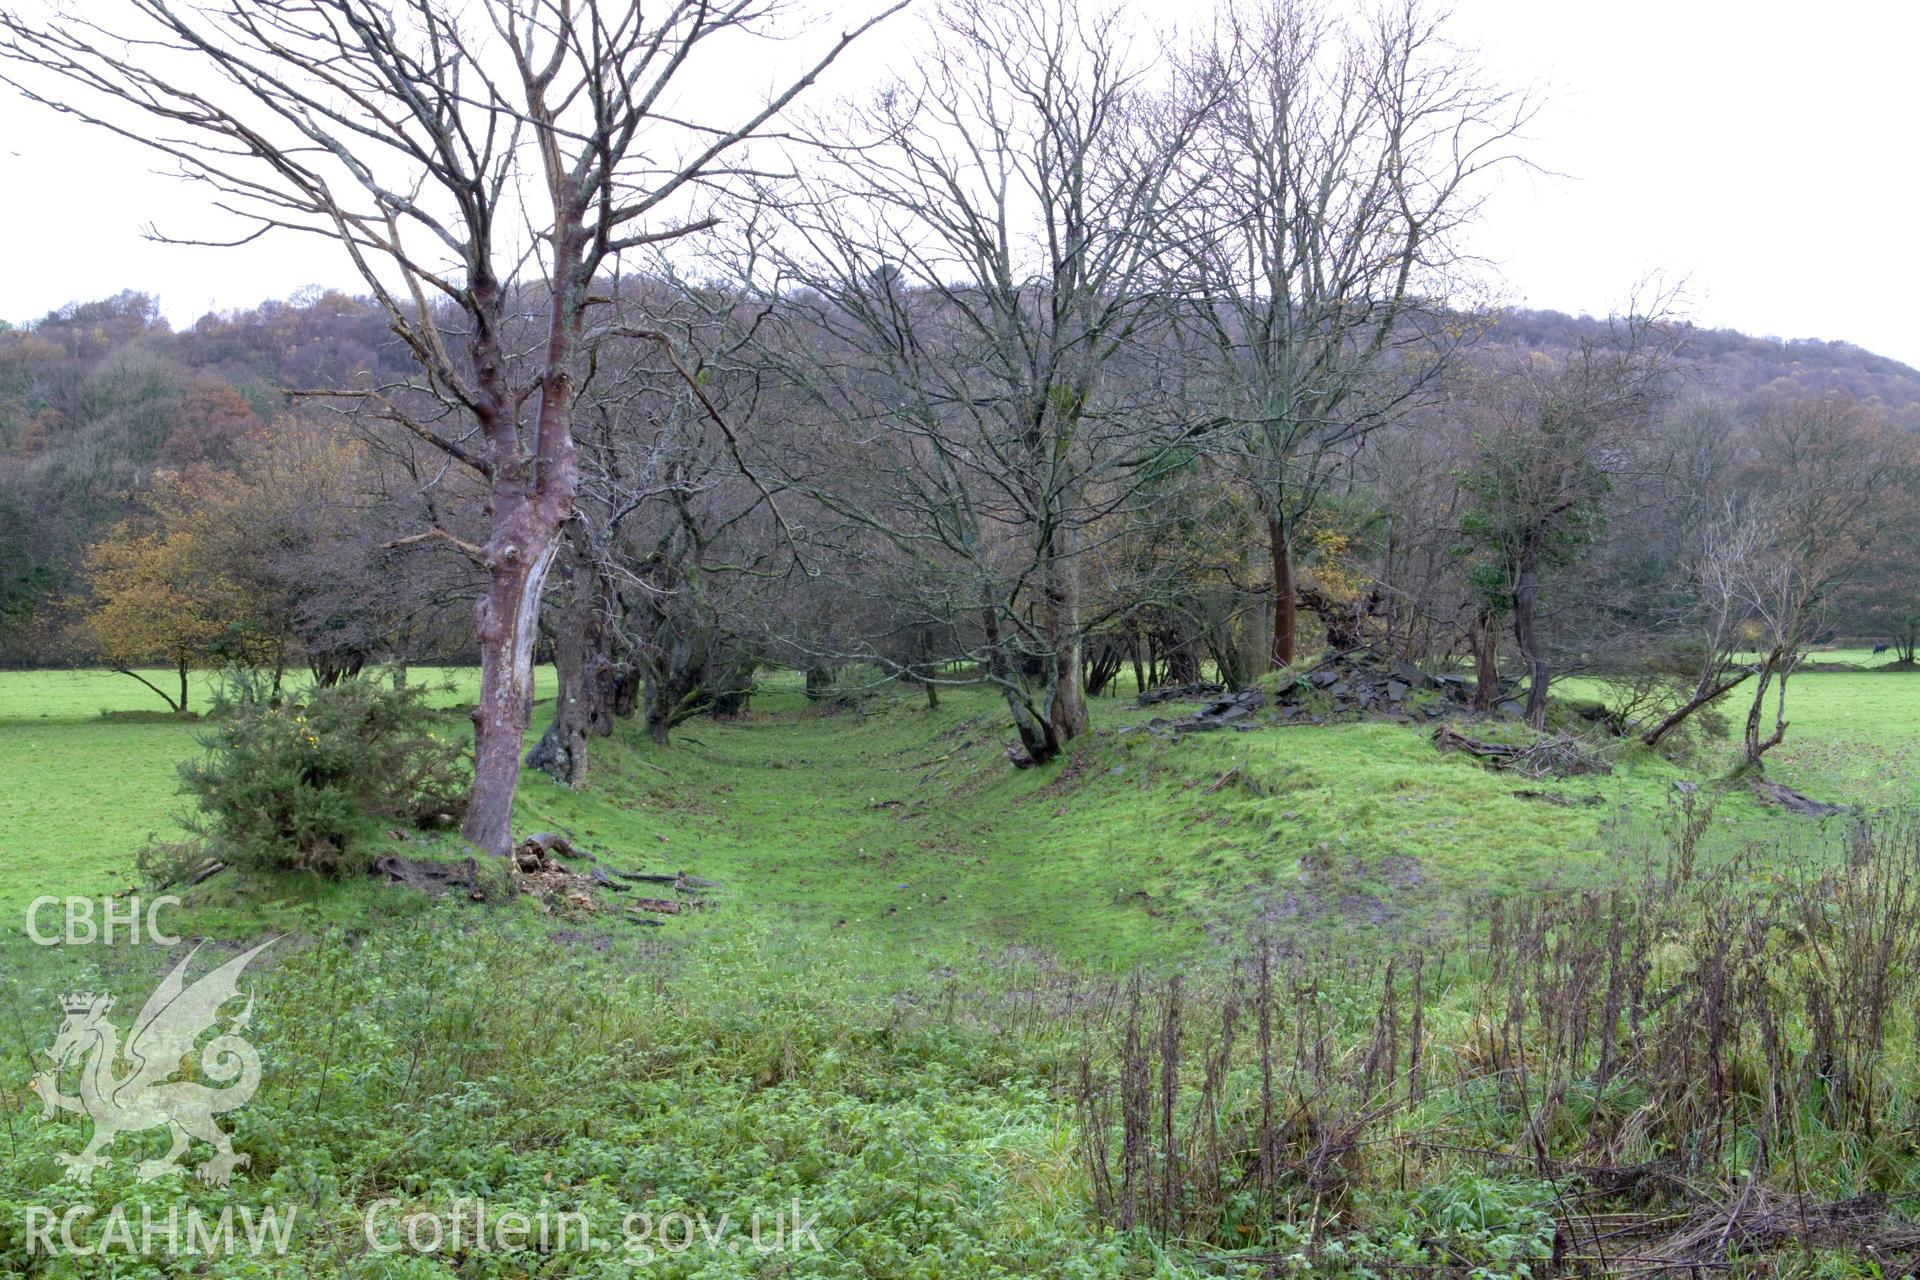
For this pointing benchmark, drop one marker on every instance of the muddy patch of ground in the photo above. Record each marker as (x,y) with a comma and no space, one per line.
(1327,897)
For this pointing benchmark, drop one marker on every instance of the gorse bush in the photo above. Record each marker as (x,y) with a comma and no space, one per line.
(293,783)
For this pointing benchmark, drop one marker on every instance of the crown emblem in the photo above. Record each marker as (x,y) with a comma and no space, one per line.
(82,1002)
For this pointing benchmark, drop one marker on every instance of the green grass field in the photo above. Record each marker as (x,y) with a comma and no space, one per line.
(89,769)
(886,1013)
(906,824)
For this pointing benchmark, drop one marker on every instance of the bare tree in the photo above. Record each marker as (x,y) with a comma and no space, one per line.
(1821,471)
(954,286)
(1336,172)
(664,513)
(420,136)
(1410,475)
(1733,550)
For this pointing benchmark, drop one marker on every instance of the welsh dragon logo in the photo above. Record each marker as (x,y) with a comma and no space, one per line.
(158,1048)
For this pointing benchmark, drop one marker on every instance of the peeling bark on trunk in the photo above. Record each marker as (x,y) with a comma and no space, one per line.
(508,616)
(529,502)
(1285,640)
(544,159)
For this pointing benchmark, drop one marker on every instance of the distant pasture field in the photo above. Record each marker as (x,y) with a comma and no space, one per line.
(89,770)
(1853,734)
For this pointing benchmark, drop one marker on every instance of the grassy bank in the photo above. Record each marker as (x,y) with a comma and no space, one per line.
(906,824)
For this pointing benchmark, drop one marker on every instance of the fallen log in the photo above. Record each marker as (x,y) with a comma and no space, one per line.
(208,871)
(431,877)
(678,879)
(1447,738)
(1793,801)
(1557,756)
(552,843)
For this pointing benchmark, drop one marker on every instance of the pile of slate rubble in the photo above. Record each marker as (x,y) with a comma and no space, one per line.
(1341,686)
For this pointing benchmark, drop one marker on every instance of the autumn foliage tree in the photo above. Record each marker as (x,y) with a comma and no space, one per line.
(159,598)
(242,565)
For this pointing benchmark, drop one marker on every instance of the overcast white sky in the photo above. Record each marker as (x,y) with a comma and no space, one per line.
(1765,151)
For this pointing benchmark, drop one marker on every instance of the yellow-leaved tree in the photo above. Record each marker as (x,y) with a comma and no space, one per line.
(243,563)
(159,598)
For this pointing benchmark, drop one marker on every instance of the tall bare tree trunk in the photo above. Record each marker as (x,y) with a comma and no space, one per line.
(569,103)
(1484,635)
(509,622)
(1067,711)
(1526,594)
(529,505)
(1755,746)
(584,675)
(1284,610)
